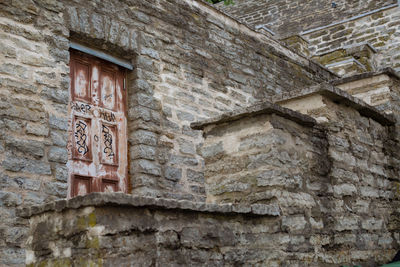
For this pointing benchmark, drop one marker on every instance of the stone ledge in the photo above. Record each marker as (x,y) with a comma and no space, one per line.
(258,109)
(388,71)
(340,96)
(121,199)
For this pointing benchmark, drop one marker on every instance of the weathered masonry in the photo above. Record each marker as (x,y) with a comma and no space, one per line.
(346,36)
(167,132)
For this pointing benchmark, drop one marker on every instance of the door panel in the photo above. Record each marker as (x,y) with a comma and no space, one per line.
(81,83)
(107,89)
(81,185)
(109,185)
(82,139)
(109,144)
(97,133)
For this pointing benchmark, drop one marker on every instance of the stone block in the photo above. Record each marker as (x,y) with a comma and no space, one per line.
(97,24)
(185,116)
(345,239)
(61,172)
(143,152)
(185,160)
(34,198)
(7,51)
(372,224)
(149,52)
(316,224)
(55,94)
(37,129)
(146,166)
(14,70)
(57,189)
(58,123)
(263,209)
(18,86)
(370,192)
(142,85)
(344,223)
(173,174)
(143,137)
(10,199)
(15,235)
(261,141)
(27,183)
(58,154)
(195,176)
(133,40)
(344,175)
(59,138)
(30,147)
(295,223)
(279,178)
(12,256)
(344,190)
(198,189)
(16,164)
(228,186)
(385,240)
(212,150)
(168,239)
(186,147)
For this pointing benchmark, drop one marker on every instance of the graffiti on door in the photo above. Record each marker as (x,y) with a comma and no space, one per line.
(97,141)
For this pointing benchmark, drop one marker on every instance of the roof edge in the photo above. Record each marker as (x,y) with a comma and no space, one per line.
(337,95)
(254,110)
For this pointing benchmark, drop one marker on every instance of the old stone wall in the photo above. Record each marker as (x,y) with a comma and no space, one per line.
(246,157)
(191,62)
(331,34)
(318,194)
(334,182)
(289,17)
(122,230)
(378,89)
(379,30)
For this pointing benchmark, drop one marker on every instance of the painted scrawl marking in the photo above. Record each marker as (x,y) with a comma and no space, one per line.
(108,116)
(108,140)
(84,108)
(81,137)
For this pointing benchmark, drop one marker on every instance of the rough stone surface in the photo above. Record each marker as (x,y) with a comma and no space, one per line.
(183,72)
(140,231)
(326,179)
(193,63)
(335,36)
(289,17)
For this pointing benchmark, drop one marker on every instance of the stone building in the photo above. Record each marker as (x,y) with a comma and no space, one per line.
(140,133)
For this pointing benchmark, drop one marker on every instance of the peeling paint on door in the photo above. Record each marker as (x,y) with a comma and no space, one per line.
(97,142)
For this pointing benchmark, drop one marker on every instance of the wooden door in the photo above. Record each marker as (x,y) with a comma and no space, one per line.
(97,147)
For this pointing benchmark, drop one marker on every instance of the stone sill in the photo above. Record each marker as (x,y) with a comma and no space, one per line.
(127,200)
(258,109)
(339,96)
(388,71)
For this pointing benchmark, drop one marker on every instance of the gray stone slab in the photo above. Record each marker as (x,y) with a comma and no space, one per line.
(257,109)
(121,199)
(339,96)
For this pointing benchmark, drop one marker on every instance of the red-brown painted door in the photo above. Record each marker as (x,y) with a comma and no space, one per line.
(97,147)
